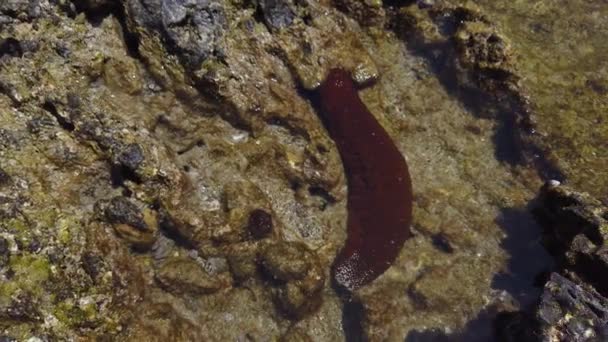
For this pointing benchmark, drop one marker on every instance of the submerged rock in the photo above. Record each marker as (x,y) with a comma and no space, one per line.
(287,261)
(134,225)
(298,275)
(295,334)
(180,275)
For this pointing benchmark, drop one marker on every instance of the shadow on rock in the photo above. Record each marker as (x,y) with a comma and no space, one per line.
(528,263)
(510,317)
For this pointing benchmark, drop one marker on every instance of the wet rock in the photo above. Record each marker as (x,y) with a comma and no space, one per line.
(130,156)
(183,223)
(243,261)
(40,123)
(92,264)
(243,266)
(5,19)
(244,194)
(442,242)
(21,309)
(572,307)
(516,326)
(192,29)
(425,3)
(21,9)
(162,322)
(482,56)
(10,207)
(123,74)
(4,252)
(434,288)
(568,312)
(63,50)
(299,275)
(14,6)
(567,213)
(249,212)
(5,178)
(295,334)
(10,139)
(481,46)
(260,224)
(16,95)
(34,246)
(277,13)
(216,265)
(181,275)
(576,232)
(94,5)
(299,298)
(474,59)
(10,47)
(162,248)
(130,223)
(122,211)
(368,12)
(287,261)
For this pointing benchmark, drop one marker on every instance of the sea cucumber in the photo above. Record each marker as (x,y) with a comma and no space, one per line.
(379,184)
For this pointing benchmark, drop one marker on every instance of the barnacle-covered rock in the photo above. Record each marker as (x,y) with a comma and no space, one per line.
(480,46)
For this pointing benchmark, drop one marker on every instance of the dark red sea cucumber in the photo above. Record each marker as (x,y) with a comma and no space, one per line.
(379,184)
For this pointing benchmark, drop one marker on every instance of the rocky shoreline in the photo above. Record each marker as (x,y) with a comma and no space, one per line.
(164,175)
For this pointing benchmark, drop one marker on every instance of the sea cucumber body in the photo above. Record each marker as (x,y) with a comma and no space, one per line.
(379,184)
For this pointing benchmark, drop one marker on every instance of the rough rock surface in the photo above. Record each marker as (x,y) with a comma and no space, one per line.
(568,312)
(573,306)
(576,232)
(164,175)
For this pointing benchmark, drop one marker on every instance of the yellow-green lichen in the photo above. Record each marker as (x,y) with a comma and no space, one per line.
(76,316)
(30,273)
